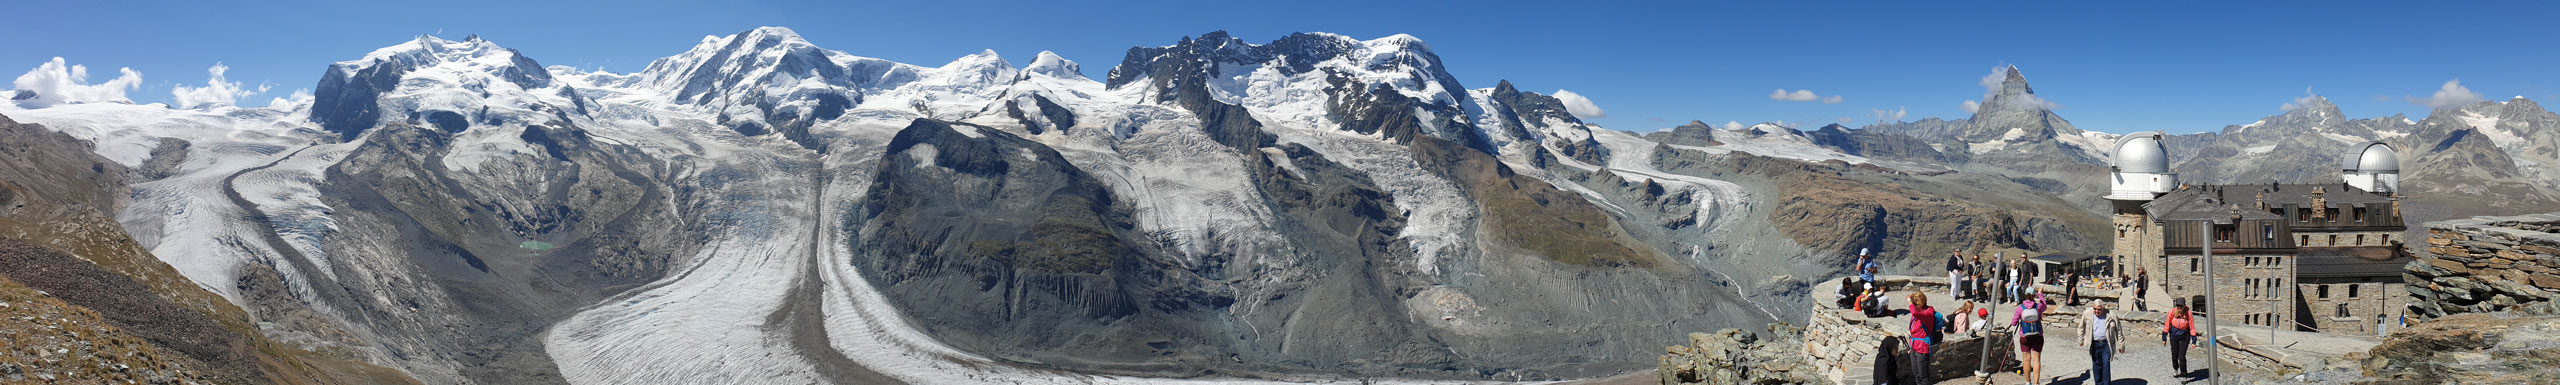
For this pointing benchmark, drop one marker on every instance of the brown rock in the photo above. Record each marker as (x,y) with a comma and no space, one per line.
(2540,249)
(2456,267)
(2439,241)
(2450,251)
(2546,281)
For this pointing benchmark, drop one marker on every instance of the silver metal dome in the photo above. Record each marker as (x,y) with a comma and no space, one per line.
(2142,153)
(2373,157)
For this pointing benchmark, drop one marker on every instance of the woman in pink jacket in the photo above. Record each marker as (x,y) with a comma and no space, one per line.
(1924,332)
(2030,322)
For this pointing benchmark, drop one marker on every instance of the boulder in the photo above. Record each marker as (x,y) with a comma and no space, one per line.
(2468,348)
(2519,290)
(1734,357)
(2424,269)
(2460,288)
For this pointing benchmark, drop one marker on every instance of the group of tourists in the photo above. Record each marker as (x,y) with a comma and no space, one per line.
(2000,282)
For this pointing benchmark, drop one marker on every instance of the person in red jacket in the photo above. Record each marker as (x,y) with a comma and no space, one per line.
(1924,332)
(2180,332)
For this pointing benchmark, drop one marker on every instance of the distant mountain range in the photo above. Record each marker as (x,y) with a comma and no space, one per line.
(760,209)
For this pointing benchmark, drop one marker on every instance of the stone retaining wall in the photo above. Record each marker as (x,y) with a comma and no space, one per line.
(2487,264)
(1842,341)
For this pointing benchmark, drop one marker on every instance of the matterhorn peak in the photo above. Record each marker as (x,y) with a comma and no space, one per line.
(2014,83)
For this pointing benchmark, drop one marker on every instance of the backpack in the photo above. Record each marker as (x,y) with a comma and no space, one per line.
(2031,323)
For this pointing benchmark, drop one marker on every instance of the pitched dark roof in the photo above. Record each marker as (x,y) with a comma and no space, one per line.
(2349,262)
(2220,202)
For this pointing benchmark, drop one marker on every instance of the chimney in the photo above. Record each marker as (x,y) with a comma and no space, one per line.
(2319,202)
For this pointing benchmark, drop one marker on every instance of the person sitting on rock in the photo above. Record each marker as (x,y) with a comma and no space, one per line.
(1848,295)
(1963,321)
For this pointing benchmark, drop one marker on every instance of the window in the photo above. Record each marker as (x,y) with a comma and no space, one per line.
(2195,265)
(2333,239)
(2302,215)
(2331,213)
(2306,240)
(2222,233)
(2251,290)
(2386,239)
(2359,239)
(2342,310)
(2351,291)
(2271,233)
(2359,211)
(2324,291)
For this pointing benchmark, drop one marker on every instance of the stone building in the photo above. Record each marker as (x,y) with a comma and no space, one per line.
(2313,257)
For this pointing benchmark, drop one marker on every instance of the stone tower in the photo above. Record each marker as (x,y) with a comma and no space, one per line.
(2138,174)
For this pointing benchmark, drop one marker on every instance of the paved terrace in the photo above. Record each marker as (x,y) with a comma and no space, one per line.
(1845,341)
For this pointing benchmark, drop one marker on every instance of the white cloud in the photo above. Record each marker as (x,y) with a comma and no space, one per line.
(1732,125)
(55,83)
(1579,106)
(1833,99)
(1895,115)
(298,97)
(1970,106)
(2451,95)
(215,93)
(1796,96)
(2304,101)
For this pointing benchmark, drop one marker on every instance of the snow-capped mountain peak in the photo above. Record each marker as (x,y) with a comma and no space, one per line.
(434,73)
(1050,64)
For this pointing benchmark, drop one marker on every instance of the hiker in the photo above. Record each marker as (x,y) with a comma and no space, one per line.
(1866,267)
(2141,289)
(2179,330)
(1848,295)
(1955,270)
(2030,321)
(1924,332)
(2013,283)
(2071,288)
(2101,332)
(1886,360)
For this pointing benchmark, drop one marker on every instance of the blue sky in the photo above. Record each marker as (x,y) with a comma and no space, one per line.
(2115,67)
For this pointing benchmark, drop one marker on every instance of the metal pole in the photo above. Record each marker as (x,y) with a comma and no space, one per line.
(2213,352)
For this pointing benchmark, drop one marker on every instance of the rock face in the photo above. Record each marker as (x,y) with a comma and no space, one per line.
(2012,128)
(2488,158)
(1876,144)
(1317,205)
(62,254)
(2487,264)
(1735,357)
(2468,349)
(1002,231)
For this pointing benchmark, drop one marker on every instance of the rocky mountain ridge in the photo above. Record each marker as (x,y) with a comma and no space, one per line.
(1313,207)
